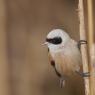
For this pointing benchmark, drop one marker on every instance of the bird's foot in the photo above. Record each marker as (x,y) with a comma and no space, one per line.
(62,82)
(86,74)
(80,42)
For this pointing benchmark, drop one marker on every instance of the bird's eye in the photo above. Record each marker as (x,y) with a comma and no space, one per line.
(56,40)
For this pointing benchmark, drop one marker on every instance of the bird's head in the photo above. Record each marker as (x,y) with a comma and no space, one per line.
(56,39)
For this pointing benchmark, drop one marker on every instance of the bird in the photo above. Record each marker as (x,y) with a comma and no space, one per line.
(64,54)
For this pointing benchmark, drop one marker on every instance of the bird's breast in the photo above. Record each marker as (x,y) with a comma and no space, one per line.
(65,64)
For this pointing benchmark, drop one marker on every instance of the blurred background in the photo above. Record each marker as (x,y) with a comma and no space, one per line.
(24,64)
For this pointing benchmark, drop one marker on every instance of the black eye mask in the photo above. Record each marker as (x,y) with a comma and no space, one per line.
(56,40)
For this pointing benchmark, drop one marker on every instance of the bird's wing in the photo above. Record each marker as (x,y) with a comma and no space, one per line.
(76,51)
(72,53)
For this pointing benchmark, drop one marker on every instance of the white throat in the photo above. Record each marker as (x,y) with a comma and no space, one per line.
(55,48)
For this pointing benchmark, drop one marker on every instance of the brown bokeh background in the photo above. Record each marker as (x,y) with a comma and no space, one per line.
(24,65)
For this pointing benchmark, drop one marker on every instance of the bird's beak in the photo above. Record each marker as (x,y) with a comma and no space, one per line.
(45,43)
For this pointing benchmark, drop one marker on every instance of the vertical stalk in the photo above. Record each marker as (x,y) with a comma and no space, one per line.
(91,42)
(84,46)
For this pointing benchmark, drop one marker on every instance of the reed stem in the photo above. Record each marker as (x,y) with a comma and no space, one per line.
(84,46)
(91,45)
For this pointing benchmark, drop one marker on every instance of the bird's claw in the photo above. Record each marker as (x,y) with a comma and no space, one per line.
(86,74)
(80,42)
